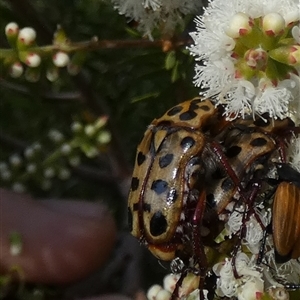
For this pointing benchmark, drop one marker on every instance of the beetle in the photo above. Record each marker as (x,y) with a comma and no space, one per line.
(190,164)
(286,215)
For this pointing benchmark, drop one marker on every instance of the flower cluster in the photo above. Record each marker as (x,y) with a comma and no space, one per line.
(248,55)
(150,14)
(41,163)
(26,56)
(248,286)
(188,289)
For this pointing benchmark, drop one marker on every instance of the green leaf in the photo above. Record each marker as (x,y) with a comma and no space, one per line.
(170,60)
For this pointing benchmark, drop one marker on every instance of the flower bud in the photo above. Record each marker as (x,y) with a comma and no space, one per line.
(32,60)
(289,55)
(49,172)
(163,295)
(32,74)
(16,70)
(104,137)
(256,58)
(27,36)
(73,69)
(15,160)
(66,149)
(61,59)
(11,29)
(273,24)
(3,166)
(5,175)
(153,291)
(52,73)
(31,168)
(296,33)
(74,161)
(89,130)
(240,24)
(55,136)
(278,293)
(64,174)
(170,281)
(18,187)
(76,127)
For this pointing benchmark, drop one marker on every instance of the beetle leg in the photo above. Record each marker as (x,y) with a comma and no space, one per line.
(197,240)
(246,216)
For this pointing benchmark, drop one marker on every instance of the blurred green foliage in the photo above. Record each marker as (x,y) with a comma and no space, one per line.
(130,85)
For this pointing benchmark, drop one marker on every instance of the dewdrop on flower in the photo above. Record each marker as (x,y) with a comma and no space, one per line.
(250,57)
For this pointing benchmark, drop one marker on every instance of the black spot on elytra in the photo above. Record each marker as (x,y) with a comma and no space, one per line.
(159,186)
(188,115)
(196,101)
(165,160)
(227,184)
(164,123)
(172,196)
(145,207)
(218,174)
(261,123)
(233,151)
(187,143)
(140,158)
(175,110)
(193,106)
(258,142)
(205,107)
(158,224)
(210,199)
(134,183)
(130,219)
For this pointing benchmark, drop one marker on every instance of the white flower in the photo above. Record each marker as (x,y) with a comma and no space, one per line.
(15,160)
(55,135)
(242,59)
(247,286)
(294,153)
(153,13)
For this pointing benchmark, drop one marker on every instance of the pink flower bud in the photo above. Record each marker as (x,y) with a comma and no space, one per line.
(27,35)
(11,29)
(61,59)
(256,58)
(33,60)
(273,24)
(16,70)
(240,24)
